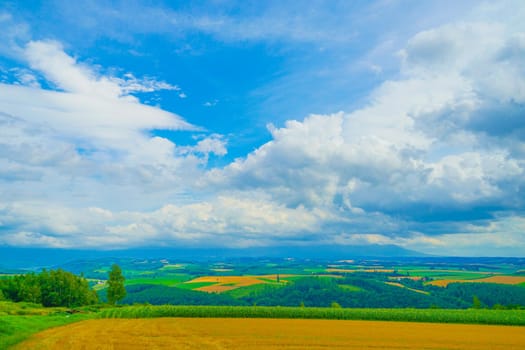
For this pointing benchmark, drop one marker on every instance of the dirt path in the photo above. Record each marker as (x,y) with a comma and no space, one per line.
(248,334)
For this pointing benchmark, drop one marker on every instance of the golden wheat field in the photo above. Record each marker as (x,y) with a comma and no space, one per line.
(292,334)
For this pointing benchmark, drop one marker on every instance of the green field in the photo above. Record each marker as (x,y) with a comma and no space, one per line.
(245,291)
(14,329)
(194,285)
(463,275)
(20,320)
(165,281)
(350,288)
(471,316)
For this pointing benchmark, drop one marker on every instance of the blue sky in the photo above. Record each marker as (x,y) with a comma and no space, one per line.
(241,124)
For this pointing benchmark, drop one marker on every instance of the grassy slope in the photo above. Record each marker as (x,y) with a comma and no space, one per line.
(20,320)
(14,329)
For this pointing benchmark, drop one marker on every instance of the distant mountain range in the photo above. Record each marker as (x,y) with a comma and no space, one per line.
(37,258)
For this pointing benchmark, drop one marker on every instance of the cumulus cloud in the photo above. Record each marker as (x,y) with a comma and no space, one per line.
(233,220)
(435,158)
(422,150)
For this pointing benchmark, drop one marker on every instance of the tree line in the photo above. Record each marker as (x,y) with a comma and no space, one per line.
(49,288)
(60,288)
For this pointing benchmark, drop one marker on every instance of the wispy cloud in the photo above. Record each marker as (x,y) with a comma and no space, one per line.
(87,139)
(290,21)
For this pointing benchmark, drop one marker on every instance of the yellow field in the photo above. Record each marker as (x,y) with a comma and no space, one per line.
(226,283)
(397,284)
(504,279)
(359,270)
(251,334)
(413,278)
(492,279)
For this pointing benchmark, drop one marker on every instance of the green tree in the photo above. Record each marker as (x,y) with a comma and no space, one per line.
(49,288)
(476,303)
(116,290)
(335,305)
(29,289)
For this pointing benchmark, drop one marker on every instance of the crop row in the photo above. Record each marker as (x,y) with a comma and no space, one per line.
(471,316)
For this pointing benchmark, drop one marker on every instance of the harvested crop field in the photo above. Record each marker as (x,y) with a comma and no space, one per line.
(504,279)
(492,279)
(220,333)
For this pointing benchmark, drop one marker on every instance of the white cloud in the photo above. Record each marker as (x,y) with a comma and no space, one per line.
(413,151)
(90,142)
(50,59)
(213,144)
(92,110)
(32,239)
(434,159)
(12,34)
(225,220)
(63,70)
(502,236)
(130,84)
(24,77)
(210,103)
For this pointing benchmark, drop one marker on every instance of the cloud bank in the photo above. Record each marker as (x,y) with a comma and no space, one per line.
(434,161)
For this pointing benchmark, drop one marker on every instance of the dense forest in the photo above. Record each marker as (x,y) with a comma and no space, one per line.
(49,288)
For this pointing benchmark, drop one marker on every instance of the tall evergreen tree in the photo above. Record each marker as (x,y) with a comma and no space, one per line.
(116,290)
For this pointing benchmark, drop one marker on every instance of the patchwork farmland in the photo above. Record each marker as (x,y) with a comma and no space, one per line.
(219,284)
(288,289)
